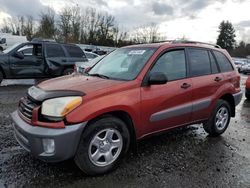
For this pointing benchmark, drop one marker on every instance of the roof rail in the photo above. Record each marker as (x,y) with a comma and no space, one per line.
(190,42)
(197,42)
(42,40)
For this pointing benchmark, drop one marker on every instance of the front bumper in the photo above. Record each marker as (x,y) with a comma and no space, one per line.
(31,139)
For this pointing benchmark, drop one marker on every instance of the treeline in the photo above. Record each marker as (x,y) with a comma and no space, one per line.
(80,25)
(226,39)
(241,50)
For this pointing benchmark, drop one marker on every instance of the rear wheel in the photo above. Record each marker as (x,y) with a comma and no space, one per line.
(102,145)
(1,77)
(68,71)
(219,120)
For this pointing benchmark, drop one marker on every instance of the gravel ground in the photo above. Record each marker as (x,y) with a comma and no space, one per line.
(185,157)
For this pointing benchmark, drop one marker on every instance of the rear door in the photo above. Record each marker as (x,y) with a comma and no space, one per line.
(207,81)
(56,59)
(168,105)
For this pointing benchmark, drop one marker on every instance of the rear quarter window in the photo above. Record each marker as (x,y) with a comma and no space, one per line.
(223,62)
(54,50)
(74,51)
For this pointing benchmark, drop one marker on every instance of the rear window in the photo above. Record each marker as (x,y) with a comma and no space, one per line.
(74,51)
(223,62)
(54,50)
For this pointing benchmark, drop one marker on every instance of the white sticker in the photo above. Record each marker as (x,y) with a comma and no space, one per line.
(136,52)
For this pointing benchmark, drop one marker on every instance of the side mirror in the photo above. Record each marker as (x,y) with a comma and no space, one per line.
(18,55)
(157,78)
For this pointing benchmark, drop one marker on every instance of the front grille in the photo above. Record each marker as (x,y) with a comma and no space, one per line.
(26,107)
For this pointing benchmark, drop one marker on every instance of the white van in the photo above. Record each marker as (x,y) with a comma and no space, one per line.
(7,40)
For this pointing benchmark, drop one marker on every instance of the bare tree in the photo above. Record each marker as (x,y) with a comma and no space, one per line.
(64,24)
(75,23)
(6,28)
(146,34)
(47,25)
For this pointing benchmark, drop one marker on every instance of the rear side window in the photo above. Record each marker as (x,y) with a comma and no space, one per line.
(74,51)
(223,62)
(172,64)
(199,62)
(54,50)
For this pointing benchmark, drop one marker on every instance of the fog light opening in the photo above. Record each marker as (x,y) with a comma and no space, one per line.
(48,145)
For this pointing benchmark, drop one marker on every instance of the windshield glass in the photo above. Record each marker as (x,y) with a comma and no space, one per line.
(123,63)
(11,48)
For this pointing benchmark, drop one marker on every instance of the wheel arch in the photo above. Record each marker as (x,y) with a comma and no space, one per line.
(1,70)
(230,99)
(127,119)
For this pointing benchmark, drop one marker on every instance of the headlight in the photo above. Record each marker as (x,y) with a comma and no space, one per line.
(59,107)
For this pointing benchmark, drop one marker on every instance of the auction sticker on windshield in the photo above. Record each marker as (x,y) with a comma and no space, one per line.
(136,52)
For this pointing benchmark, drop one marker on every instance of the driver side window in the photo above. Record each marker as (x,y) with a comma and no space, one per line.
(172,64)
(26,50)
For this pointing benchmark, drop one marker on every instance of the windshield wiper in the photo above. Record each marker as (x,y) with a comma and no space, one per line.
(99,75)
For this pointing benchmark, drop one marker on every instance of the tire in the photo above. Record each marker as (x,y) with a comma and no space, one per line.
(68,71)
(247,96)
(214,126)
(1,77)
(97,140)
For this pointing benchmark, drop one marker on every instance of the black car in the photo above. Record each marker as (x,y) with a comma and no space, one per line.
(39,59)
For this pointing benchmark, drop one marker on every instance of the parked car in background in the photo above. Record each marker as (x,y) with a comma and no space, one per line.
(131,93)
(82,67)
(90,55)
(239,62)
(245,69)
(247,91)
(40,59)
(7,40)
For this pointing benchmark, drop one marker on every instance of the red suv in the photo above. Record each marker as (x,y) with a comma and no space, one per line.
(131,93)
(247,92)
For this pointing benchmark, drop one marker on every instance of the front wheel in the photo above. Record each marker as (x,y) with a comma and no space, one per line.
(68,71)
(219,120)
(102,145)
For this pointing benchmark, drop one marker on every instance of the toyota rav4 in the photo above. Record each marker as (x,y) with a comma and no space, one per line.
(133,92)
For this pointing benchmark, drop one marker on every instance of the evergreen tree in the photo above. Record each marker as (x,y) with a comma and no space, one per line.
(226,38)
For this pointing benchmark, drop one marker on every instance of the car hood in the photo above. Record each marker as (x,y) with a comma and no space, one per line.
(77,82)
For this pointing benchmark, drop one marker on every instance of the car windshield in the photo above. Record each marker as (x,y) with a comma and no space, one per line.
(123,63)
(11,48)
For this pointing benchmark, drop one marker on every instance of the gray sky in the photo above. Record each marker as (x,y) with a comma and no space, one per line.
(194,19)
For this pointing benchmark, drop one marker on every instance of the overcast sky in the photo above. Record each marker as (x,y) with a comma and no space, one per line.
(194,19)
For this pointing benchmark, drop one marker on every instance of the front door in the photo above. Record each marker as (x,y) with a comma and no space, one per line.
(168,105)
(31,65)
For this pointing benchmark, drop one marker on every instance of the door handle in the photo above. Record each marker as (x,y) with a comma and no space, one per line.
(64,60)
(217,79)
(185,85)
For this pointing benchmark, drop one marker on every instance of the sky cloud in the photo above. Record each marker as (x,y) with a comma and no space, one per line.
(162,8)
(22,7)
(194,19)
